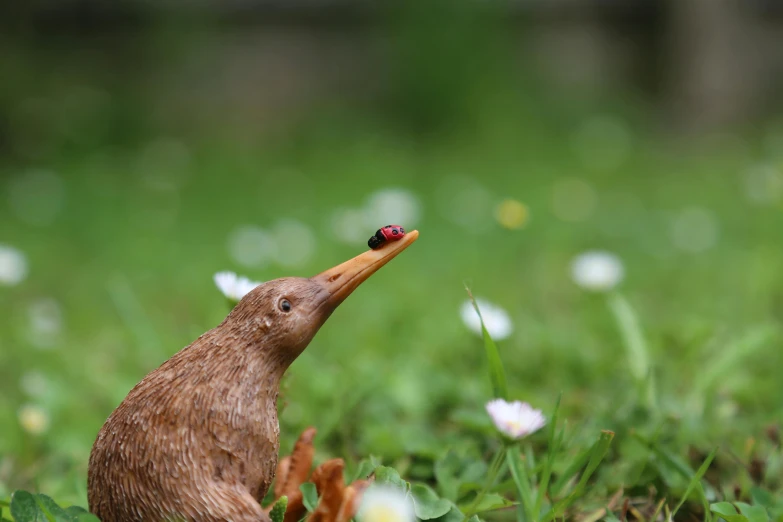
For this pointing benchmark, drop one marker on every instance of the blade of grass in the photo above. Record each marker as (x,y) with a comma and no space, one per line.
(658,509)
(576,464)
(522,481)
(597,454)
(638,361)
(492,474)
(696,481)
(635,347)
(684,470)
(553,448)
(496,372)
(601,449)
(675,464)
(731,357)
(531,463)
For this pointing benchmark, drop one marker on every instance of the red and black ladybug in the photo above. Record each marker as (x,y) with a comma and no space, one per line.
(387,233)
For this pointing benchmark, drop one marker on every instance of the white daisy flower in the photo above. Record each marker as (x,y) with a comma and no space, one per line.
(234,287)
(496,319)
(597,270)
(385,504)
(515,419)
(33,419)
(13,266)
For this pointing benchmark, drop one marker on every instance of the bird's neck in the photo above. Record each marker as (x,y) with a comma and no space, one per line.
(247,364)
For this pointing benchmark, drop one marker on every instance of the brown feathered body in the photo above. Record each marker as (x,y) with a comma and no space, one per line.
(197,439)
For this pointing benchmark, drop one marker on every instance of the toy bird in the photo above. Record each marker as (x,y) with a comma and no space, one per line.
(198,438)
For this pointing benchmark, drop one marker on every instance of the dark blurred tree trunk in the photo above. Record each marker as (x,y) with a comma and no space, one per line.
(713,77)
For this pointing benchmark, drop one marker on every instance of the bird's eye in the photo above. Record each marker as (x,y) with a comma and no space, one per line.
(285,305)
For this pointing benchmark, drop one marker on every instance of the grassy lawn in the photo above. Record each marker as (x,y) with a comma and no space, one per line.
(122,242)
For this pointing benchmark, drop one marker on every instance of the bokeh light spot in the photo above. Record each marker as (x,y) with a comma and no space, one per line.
(252,246)
(573,200)
(45,322)
(13,266)
(512,214)
(295,242)
(347,225)
(694,230)
(34,384)
(763,184)
(392,206)
(33,419)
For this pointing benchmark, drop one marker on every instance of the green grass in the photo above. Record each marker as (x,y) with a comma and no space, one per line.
(395,373)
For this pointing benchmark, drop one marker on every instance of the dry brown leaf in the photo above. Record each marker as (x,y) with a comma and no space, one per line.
(329,482)
(329,474)
(295,509)
(624,511)
(280,476)
(337,502)
(352,498)
(300,463)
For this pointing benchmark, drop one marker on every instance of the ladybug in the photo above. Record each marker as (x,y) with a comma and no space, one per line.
(387,233)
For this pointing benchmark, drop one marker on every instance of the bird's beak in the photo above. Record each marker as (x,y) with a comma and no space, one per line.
(343,279)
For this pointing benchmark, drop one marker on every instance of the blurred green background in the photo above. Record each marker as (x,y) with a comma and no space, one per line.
(144,147)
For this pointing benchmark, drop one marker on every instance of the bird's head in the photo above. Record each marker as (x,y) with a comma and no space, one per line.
(286,313)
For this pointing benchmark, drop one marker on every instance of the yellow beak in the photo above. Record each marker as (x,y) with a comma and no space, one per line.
(344,278)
